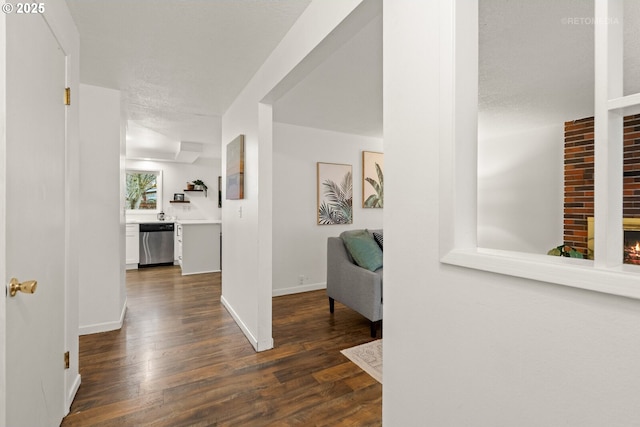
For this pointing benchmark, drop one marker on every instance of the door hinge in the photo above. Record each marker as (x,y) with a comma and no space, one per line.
(67,96)
(66,360)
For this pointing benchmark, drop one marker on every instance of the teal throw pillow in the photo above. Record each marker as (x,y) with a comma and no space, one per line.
(363,249)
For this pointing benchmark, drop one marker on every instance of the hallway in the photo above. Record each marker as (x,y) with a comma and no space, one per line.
(181,360)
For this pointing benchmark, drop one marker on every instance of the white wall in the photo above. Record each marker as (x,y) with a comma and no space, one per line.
(521,190)
(299,244)
(101,272)
(247,257)
(175,177)
(464,347)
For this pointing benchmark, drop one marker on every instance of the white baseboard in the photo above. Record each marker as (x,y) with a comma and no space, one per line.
(299,289)
(265,345)
(123,312)
(201,272)
(252,339)
(72,392)
(106,326)
(131,266)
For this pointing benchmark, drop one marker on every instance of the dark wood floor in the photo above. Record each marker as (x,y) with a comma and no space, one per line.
(180,360)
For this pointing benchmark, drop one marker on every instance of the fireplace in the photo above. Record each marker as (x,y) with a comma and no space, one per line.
(631,227)
(632,247)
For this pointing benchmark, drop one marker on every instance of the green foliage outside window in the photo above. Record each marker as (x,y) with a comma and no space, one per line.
(142,190)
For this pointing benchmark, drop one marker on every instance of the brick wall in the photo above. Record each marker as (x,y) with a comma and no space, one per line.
(632,166)
(578,176)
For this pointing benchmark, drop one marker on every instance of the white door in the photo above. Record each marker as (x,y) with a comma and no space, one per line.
(34,203)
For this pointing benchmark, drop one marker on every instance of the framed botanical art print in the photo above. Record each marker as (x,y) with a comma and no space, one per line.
(372,179)
(335,193)
(235,169)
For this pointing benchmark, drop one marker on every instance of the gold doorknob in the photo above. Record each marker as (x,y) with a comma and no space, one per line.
(27,287)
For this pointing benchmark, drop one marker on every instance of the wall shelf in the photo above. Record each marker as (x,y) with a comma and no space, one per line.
(197,191)
(179,201)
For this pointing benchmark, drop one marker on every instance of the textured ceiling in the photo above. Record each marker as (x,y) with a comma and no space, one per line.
(179,64)
(344,93)
(536,63)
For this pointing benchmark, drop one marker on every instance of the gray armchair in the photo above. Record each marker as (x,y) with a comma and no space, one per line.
(352,285)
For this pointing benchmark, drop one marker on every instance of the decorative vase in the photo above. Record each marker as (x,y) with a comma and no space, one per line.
(190,186)
(198,187)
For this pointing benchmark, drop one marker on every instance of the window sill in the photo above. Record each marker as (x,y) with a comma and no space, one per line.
(578,273)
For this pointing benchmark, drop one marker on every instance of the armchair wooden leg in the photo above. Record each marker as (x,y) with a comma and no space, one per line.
(331,305)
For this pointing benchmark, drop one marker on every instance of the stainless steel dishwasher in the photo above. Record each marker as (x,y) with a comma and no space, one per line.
(156,244)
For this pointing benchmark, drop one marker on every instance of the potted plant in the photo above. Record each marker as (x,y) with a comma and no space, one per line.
(200,185)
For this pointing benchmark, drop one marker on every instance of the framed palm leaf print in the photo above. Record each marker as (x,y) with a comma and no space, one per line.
(372,179)
(335,193)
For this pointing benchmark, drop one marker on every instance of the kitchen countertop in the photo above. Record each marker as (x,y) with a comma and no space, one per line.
(149,221)
(198,221)
(176,221)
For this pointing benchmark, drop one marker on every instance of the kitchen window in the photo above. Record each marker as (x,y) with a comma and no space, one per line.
(143,190)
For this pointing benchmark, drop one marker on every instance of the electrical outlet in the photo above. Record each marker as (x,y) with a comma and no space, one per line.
(301,279)
(240,212)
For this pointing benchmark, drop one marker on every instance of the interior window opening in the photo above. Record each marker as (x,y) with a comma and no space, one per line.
(535,95)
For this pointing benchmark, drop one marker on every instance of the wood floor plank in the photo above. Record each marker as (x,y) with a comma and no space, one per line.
(181,360)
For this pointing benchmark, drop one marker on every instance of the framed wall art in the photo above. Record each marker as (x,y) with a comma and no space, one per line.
(372,179)
(235,169)
(335,193)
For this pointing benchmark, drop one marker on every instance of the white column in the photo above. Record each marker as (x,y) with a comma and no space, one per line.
(608,134)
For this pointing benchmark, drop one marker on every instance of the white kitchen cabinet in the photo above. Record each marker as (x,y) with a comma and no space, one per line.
(132,246)
(198,246)
(178,244)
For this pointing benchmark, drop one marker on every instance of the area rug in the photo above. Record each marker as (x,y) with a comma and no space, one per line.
(368,357)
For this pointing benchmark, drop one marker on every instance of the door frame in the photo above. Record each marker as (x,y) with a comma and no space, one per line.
(59,20)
